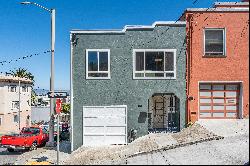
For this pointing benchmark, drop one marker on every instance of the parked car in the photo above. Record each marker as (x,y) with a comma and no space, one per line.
(29,138)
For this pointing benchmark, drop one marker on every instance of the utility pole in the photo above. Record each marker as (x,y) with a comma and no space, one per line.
(51,122)
(19,104)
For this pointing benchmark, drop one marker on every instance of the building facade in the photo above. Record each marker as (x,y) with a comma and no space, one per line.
(9,103)
(218,61)
(125,82)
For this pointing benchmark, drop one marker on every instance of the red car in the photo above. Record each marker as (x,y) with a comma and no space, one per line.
(29,138)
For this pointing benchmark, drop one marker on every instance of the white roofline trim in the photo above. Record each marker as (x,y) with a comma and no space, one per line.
(131,27)
(232,3)
(235,9)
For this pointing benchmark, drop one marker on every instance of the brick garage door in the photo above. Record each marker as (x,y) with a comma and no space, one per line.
(219,101)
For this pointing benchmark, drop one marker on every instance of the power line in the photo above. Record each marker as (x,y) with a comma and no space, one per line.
(22,58)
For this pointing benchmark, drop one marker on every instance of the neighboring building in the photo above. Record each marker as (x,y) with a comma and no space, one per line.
(218,61)
(127,79)
(9,103)
(39,114)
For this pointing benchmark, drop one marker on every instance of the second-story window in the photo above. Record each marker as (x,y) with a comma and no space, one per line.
(214,42)
(98,64)
(25,88)
(12,88)
(15,104)
(154,64)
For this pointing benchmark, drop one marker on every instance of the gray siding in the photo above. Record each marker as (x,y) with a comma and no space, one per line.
(121,89)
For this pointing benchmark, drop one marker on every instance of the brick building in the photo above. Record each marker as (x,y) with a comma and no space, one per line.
(218,61)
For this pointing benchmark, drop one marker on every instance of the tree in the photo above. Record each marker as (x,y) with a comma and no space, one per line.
(23,73)
(65,108)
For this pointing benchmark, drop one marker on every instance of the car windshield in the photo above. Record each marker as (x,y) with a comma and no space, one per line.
(30,130)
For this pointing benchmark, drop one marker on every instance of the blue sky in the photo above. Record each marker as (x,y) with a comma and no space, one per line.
(25,30)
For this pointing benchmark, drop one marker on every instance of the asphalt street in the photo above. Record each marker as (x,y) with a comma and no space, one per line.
(7,158)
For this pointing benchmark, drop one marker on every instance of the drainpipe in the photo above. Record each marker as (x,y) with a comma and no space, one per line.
(19,121)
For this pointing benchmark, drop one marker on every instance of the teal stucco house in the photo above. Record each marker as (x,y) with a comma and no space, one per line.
(127,83)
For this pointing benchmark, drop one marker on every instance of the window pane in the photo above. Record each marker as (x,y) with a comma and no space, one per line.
(205,87)
(203,115)
(98,74)
(205,107)
(231,94)
(218,87)
(218,100)
(169,74)
(154,74)
(214,42)
(231,108)
(205,100)
(154,61)
(169,61)
(218,107)
(231,87)
(92,61)
(218,94)
(139,74)
(139,61)
(103,61)
(218,114)
(231,115)
(205,94)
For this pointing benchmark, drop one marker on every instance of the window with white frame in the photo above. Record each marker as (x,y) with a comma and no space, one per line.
(16,118)
(25,89)
(12,88)
(15,104)
(154,64)
(98,64)
(214,41)
(1,121)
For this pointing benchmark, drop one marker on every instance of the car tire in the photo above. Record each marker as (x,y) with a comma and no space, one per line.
(10,149)
(33,146)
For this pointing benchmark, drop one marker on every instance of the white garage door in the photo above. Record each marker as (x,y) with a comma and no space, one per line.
(104,125)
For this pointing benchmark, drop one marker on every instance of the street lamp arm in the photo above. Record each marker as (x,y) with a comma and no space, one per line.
(33,3)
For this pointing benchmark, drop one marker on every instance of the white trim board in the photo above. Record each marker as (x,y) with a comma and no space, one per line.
(131,27)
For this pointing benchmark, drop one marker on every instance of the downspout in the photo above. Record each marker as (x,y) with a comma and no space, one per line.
(188,61)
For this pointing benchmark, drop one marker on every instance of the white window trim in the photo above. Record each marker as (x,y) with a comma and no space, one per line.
(10,86)
(153,78)
(224,41)
(87,72)
(13,104)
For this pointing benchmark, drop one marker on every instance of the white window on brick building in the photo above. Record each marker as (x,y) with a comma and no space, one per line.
(12,88)
(16,118)
(15,104)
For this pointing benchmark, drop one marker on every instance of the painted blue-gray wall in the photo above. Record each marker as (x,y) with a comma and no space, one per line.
(121,89)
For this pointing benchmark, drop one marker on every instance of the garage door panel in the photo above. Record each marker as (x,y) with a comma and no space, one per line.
(93,121)
(115,139)
(104,125)
(219,100)
(93,140)
(116,130)
(94,130)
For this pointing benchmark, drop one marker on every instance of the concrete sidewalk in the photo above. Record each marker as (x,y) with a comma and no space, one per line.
(228,151)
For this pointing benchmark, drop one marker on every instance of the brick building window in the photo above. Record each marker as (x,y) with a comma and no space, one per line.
(214,42)
(97,64)
(0,121)
(15,104)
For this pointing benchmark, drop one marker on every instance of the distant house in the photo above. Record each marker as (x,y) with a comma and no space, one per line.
(218,61)
(126,82)
(9,103)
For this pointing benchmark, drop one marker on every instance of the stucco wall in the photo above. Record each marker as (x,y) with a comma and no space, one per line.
(233,67)
(121,89)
